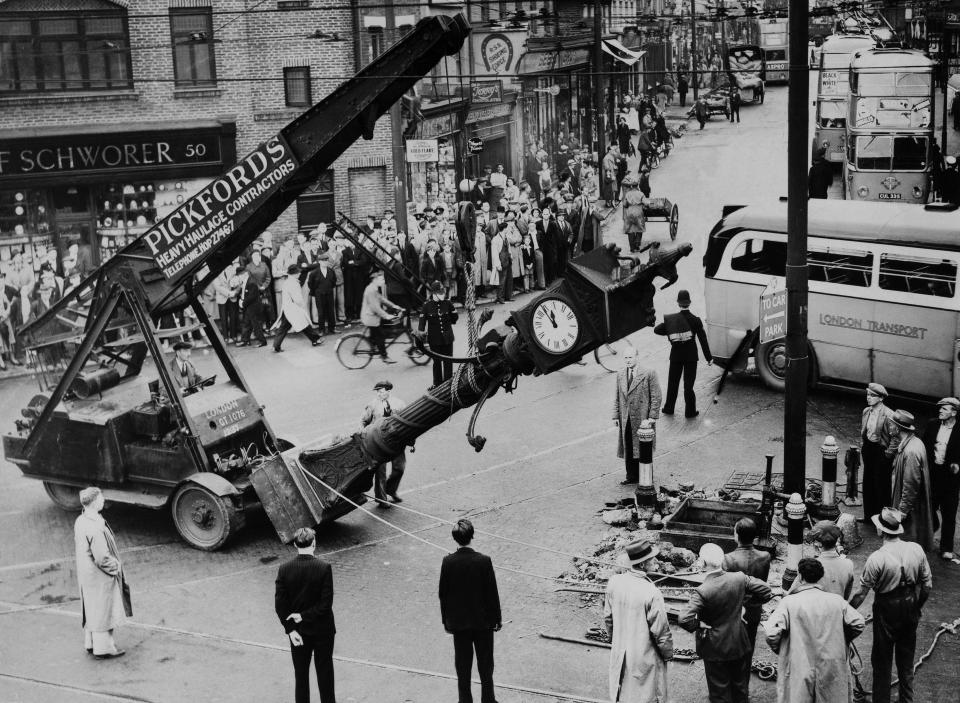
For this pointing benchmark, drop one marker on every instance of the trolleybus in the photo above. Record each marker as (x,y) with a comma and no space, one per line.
(745,68)
(773,41)
(889,126)
(833,84)
(883,300)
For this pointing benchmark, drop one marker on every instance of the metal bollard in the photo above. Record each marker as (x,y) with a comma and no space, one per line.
(828,510)
(645,493)
(796,514)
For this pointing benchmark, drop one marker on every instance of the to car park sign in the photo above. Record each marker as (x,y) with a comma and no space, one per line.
(773,316)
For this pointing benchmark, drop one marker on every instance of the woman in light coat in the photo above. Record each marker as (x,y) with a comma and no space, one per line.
(100,576)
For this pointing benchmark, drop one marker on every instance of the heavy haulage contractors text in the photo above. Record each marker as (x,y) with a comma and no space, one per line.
(209,217)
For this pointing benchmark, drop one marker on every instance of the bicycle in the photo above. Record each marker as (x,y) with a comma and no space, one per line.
(355,350)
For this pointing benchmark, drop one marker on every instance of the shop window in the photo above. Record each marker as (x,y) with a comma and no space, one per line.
(50,52)
(296,86)
(25,228)
(191,31)
(316,204)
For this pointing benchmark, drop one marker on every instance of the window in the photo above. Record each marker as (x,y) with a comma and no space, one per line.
(193,61)
(891,153)
(376,42)
(296,86)
(919,275)
(316,205)
(850,267)
(49,52)
(760,256)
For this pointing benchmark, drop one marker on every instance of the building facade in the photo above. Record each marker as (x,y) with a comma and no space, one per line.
(111,115)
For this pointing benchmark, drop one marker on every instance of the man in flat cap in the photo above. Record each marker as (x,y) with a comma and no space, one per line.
(636,620)
(380,407)
(879,445)
(911,483)
(184,373)
(943,456)
(837,568)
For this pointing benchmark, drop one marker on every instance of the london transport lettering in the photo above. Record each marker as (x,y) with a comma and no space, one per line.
(856,323)
(211,215)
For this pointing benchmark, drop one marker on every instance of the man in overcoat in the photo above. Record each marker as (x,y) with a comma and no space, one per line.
(637,398)
(911,483)
(879,440)
(293,316)
(100,576)
(636,620)
(810,630)
(714,615)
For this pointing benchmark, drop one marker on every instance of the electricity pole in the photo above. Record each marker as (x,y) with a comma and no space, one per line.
(798,148)
(694,74)
(599,94)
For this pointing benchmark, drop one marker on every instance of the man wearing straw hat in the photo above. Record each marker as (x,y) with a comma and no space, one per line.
(899,575)
(911,483)
(636,620)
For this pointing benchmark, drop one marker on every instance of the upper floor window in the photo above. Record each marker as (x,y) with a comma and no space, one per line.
(193,58)
(296,86)
(61,51)
(377,43)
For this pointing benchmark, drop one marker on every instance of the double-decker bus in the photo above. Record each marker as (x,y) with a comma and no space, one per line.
(833,84)
(773,42)
(889,126)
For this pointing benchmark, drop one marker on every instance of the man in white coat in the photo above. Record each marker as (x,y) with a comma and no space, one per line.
(293,315)
(810,630)
(636,620)
(104,604)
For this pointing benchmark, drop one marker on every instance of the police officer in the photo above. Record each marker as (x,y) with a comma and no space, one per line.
(680,328)
(899,575)
(438,318)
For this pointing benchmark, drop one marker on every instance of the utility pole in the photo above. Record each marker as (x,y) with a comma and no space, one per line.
(798,148)
(599,94)
(694,74)
(398,146)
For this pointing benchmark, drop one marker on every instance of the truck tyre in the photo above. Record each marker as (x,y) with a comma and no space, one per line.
(63,496)
(204,520)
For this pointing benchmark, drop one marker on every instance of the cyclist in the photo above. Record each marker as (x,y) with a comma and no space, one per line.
(374,310)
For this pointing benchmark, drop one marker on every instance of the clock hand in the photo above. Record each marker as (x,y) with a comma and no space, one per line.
(553,318)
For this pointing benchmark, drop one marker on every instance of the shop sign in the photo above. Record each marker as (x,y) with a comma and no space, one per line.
(496,51)
(421,151)
(438,126)
(572,57)
(474,145)
(126,151)
(486,92)
(537,61)
(490,112)
(192,232)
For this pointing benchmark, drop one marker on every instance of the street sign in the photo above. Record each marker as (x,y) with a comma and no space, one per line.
(474,145)
(773,316)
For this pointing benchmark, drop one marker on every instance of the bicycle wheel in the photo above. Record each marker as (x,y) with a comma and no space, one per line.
(354,351)
(610,356)
(415,355)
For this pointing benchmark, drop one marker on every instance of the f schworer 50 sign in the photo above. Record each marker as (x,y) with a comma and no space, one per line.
(209,217)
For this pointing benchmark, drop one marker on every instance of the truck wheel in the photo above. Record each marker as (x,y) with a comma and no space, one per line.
(204,520)
(771,358)
(63,496)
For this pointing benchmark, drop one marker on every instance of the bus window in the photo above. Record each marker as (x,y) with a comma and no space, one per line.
(873,84)
(776,54)
(833,114)
(913,84)
(760,256)
(918,275)
(909,153)
(873,153)
(850,267)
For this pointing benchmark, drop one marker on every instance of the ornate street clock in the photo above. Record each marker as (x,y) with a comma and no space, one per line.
(556,327)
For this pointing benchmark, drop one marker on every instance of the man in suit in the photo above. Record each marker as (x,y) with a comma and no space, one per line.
(714,615)
(470,611)
(182,369)
(748,560)
(322,282)
(304,604)
(879,445)
(910,481)
(943,455)
(637,399)
(681,328)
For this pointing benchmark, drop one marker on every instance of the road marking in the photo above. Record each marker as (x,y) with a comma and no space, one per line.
(75,689)
(60,560)
(337,657)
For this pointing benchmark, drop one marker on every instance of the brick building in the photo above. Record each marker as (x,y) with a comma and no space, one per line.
(112,113)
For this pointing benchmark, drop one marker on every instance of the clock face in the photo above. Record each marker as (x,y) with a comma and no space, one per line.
(555,326)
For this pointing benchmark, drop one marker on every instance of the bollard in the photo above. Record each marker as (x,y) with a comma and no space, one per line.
(796,513)
(645,493)
(828,510)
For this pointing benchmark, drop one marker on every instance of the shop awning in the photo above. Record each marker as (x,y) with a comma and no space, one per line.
(536,62)
(621,53)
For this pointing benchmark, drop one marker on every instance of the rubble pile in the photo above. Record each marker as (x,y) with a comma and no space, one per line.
(626,513)
(669,561)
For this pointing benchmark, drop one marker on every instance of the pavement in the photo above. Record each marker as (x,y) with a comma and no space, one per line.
(204,627)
